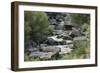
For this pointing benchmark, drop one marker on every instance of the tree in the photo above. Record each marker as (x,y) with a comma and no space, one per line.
(80,19)
(36,25)
(27,28)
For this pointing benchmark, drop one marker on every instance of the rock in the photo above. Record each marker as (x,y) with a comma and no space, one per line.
(43,45)
(32,43)
(64,50)
(69,41)
(50,49)
(50,41)
(76,32)
(70,46)
(33,49)
(51,27)
(53,21)
(59,32)
(79,38)
(60,26)
(42,55)
(35,54)
(46,55)
(55,38)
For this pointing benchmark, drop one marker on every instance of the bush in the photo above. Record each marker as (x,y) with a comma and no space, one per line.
(36,26)
(81,49)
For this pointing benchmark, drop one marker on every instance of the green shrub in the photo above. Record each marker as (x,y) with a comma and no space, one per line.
(81,49)
(36,26)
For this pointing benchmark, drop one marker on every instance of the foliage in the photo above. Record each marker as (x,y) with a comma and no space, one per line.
(27,34)
(81,50)
(80,19)
(36,24)
(86,30)
(28,58)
